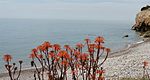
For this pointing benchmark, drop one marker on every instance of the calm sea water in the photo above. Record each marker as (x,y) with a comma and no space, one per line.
(19,36)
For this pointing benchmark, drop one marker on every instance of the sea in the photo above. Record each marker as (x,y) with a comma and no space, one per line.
(19,36)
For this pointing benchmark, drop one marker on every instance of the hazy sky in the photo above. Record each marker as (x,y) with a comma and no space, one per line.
(72,9)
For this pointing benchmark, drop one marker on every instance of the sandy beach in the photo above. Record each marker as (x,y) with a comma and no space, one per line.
(124,63)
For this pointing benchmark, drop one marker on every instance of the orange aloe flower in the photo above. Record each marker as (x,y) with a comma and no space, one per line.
(99,39)
(32,55)
(56,59)
(67,47)
(46,45)
(99,47)
(34,50)
(7,58)
(87,40)
(65,63)
(40,56)
(40,48)
(91,50)
(56,47)
(84,56)
(67,56)
(79,45)
(145,63)
(92,46)
(76,53)
(51,54)
(64,54)
(108,50)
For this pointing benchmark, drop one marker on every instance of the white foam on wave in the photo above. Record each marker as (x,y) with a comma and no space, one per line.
(139,42)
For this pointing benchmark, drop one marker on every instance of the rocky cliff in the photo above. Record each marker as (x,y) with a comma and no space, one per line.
(142,24)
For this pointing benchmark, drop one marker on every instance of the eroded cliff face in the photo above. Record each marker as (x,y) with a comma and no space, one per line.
(142,20)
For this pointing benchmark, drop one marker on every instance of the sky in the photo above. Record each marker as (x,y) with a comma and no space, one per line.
(72,9)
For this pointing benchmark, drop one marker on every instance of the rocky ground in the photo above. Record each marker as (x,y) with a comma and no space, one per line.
(130,64)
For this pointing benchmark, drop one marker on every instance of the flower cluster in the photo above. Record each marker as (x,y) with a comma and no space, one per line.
(12,68)
(145,71)
(83,61)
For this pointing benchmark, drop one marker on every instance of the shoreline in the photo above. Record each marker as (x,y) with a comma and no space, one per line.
(108,66)
(122,51)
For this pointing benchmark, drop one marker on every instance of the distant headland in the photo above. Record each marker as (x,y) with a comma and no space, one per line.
(142,22)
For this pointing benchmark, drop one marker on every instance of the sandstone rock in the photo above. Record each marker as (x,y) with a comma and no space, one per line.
(145,8)
(146,34)
(125,36)
(142,20)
